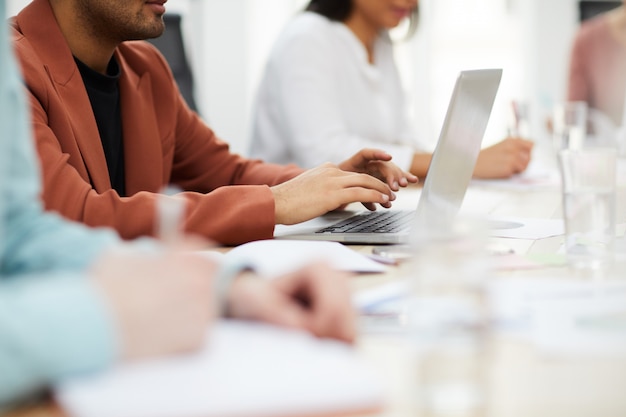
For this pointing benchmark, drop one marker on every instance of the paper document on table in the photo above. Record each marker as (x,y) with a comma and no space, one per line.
(382,299)
(525,227)
(382,309)
(246,369)
(516,261)
(275,257)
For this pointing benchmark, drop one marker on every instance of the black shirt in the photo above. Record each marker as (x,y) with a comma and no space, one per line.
(104,95)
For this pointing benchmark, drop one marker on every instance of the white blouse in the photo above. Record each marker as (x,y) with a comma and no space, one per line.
(321,100)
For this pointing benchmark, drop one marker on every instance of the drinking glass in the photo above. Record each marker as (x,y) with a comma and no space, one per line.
(448,319)
(588,183)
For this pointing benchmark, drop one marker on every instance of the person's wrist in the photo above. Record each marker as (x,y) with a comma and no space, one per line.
(226,275)
(281,209)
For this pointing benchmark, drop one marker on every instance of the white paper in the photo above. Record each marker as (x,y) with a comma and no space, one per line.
(383,299)
(526,227)
(246,369)
(270,258)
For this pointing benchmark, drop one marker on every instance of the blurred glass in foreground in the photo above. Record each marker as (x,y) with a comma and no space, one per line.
(449,321)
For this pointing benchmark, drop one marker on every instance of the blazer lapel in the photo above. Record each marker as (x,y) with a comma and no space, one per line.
(39,25)
(142,142)
(83,122)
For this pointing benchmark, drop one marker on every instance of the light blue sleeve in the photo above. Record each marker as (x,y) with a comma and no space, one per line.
(32,240)
(52,320)
(50,329)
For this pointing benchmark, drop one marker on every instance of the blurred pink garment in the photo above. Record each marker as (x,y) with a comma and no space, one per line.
(598,69)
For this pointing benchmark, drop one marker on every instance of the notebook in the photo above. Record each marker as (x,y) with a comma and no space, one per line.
(448,177)
(245,369)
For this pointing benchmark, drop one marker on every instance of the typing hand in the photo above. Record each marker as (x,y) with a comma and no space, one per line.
(315,298)
(377,163)
(325,188)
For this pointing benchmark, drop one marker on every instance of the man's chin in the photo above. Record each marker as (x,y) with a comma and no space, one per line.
(154,31)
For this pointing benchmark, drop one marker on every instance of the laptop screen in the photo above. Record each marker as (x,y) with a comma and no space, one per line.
(459,144)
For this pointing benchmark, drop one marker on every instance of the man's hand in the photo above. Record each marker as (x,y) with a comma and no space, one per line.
(376,163)
(325,188)
(315,298)
(506,158)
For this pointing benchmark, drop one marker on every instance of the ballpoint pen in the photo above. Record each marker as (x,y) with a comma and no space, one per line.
(170,216)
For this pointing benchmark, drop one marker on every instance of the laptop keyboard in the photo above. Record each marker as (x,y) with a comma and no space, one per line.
(388,221)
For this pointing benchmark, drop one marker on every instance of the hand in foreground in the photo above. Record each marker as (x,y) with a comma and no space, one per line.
(377,163)
(506,158)
(161,303)
(325,188)
(315,298)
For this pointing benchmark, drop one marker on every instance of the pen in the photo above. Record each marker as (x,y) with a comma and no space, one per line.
(170,215)
(515,129)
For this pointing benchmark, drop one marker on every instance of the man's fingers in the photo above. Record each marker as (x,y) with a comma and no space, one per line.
(369,206)
(359,161)
(370,154)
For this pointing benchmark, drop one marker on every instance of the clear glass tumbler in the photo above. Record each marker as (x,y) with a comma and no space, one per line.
(449,321)
(589,187)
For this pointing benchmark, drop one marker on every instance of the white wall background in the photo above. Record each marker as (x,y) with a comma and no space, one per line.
(228,41)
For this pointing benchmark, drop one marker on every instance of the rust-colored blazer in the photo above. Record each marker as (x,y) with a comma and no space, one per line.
(228,197)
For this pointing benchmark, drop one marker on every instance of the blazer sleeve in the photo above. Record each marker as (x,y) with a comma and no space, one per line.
(232,201)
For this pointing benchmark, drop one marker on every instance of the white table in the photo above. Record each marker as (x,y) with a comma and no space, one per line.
(524,380)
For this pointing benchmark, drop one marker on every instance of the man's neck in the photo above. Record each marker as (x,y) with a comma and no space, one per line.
(93,51)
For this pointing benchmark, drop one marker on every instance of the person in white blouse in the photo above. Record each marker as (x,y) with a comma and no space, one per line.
(331,87)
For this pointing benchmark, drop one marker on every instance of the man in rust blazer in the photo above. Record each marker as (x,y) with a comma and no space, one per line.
(112,130)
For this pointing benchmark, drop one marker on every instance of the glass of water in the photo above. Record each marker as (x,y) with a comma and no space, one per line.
(448,319)
(588,182)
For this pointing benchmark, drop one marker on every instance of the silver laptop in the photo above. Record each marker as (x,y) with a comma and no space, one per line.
(448,176)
